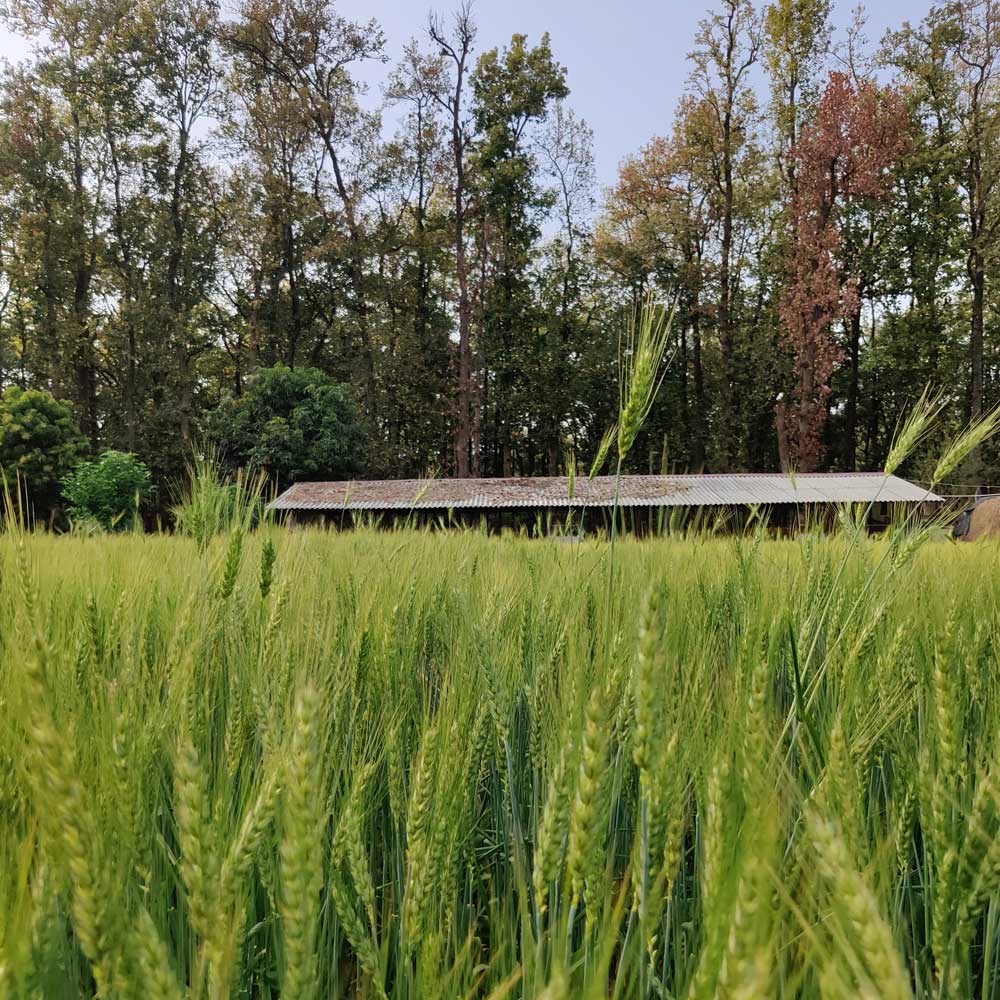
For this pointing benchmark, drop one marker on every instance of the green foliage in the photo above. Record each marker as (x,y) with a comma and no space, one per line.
(447,264)
(109,491)
(292,423)
(40,442)
(514,89)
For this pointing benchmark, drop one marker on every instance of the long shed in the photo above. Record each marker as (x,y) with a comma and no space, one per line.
(502,502)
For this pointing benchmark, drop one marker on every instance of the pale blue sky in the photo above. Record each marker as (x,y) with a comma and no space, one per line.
(626,61)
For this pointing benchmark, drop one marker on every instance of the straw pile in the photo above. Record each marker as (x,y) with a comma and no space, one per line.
(985,520)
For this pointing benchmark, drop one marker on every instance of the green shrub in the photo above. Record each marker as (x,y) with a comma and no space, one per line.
(291,423)
(108,492)
(40,442)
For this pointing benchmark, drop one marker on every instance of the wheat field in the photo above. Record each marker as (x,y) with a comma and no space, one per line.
(304,764)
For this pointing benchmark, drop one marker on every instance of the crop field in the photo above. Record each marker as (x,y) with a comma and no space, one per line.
(307,765)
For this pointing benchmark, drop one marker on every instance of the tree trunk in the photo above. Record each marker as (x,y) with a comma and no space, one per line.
(83,363)
(128,294)
(357,272)
(463,427)
(700,413)
(807,386)
(851,414)
(174,290)
(727,450)
(682,347)
(976,263)
(781,428)
(977,277)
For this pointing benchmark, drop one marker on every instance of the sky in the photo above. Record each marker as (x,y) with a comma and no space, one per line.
(625,59)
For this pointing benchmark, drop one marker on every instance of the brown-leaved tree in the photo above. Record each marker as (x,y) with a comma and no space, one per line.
(844,156)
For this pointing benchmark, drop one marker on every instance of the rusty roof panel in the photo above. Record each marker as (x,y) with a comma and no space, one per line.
(738,489)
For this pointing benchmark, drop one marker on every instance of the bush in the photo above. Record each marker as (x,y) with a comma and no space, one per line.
(108,492)
(292,423)
(40,442)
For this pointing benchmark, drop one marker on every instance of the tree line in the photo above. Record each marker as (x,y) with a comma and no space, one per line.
(193,197)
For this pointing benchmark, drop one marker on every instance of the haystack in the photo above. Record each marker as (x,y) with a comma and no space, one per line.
(985,520)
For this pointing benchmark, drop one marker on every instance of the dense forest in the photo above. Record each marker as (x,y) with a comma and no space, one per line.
(192,196)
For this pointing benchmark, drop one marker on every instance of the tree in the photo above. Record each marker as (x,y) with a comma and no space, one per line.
(184,83)
(412,240)
(727,47)
(842,158)
(54,172)
(450,92)
(513,90)
(656,234)
(309,48)
(925,338)
(566,151)
(108,492)
(975,30)
(796,40)
(292,423)
(953,62)
(568,339)
(274,306)
(40,441)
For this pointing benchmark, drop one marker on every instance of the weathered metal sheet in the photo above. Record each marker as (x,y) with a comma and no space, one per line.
(739,489)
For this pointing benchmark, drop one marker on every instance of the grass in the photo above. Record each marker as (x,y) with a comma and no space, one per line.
(304,764)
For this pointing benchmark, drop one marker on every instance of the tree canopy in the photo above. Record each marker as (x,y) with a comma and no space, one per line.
(40,441)
(196,198)
(292,423)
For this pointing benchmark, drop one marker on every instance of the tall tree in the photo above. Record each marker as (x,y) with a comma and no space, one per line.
(282,311)
(415,270)
(844,156)
(61,176)
(726,47)
(567,332)
(184,79)
(514,89)
(655,234)
(456,46)
(312,49)
(795,42)
(976,53)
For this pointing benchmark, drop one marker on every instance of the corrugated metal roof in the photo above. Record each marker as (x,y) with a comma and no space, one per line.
(738,489)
